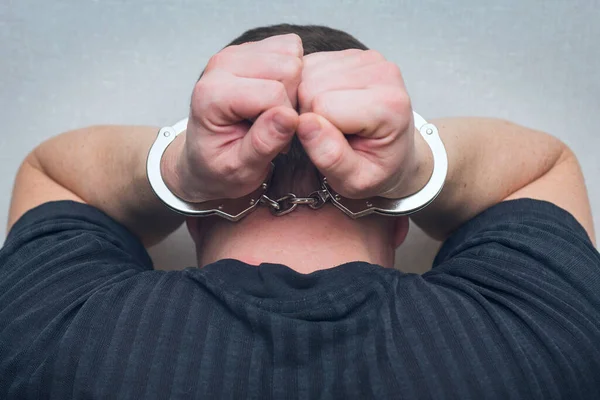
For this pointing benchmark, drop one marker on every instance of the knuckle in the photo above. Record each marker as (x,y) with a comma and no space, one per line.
(231,48)
(352,52)
(295,43)
(216,60)
(397,101)
(309,60)
(208,110)
(227,52)
(349,53)
(320,104)
(200,95)
(291,68)
(331,158)
(204,95)
(261,147)
(390,70)
(372,56)
(202,86)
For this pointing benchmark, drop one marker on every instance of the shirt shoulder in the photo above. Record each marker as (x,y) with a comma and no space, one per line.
(72,279)
(52,223)
(526,221)
(524,241)
(522,282)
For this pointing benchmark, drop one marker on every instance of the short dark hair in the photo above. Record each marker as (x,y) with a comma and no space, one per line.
(294,172)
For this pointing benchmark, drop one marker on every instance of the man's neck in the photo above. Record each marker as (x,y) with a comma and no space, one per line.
(305,240)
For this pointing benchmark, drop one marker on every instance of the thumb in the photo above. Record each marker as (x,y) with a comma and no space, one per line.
(269,135)
(327,147)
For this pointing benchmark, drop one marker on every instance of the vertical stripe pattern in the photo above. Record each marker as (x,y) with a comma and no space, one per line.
(503,315)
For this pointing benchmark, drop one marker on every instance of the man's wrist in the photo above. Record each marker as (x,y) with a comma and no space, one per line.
(420,168)
(170,167)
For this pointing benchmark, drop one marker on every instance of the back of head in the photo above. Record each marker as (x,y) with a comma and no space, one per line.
(294,172)
(369,238)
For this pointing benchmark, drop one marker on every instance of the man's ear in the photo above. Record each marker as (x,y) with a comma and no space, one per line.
(401,225)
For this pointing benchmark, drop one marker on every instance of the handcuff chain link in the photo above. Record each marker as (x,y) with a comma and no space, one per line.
(288,203)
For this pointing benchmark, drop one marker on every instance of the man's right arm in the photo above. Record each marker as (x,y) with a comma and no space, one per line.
(491,161)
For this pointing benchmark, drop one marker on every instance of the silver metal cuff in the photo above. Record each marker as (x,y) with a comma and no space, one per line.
(235,209)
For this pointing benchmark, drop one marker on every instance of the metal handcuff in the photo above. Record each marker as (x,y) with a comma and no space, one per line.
(236,209)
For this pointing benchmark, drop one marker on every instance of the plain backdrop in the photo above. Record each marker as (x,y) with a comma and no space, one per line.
(66,64)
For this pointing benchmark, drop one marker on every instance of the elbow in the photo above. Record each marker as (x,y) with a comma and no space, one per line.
(566,154)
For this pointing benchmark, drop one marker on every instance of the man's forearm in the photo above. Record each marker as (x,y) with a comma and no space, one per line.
(489,160)
(106,167)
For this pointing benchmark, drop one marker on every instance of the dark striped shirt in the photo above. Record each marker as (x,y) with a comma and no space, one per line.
(510,310)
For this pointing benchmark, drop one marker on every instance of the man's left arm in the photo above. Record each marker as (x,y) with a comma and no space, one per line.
(219,156)
(103,166)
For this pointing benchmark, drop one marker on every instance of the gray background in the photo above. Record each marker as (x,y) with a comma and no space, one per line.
(70,63)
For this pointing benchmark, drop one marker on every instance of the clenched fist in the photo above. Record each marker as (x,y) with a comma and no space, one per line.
(243,113)
(356,123)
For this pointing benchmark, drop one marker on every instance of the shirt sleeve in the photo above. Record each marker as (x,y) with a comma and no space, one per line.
(530,258)
(57,256)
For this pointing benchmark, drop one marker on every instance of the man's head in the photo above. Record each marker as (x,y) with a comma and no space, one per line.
(306,239)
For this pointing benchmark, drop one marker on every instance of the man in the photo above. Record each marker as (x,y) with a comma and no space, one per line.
(305,305)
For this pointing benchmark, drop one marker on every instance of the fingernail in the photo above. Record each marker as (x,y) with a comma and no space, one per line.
(311,129)
(282,124)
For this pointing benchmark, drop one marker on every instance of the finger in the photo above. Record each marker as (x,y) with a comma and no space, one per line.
(284,68)
(290,44)
(321,57)
(262,65)
(334,60)
(224,100)
(362,77)
(373,113)
(327,147)
(269,135)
